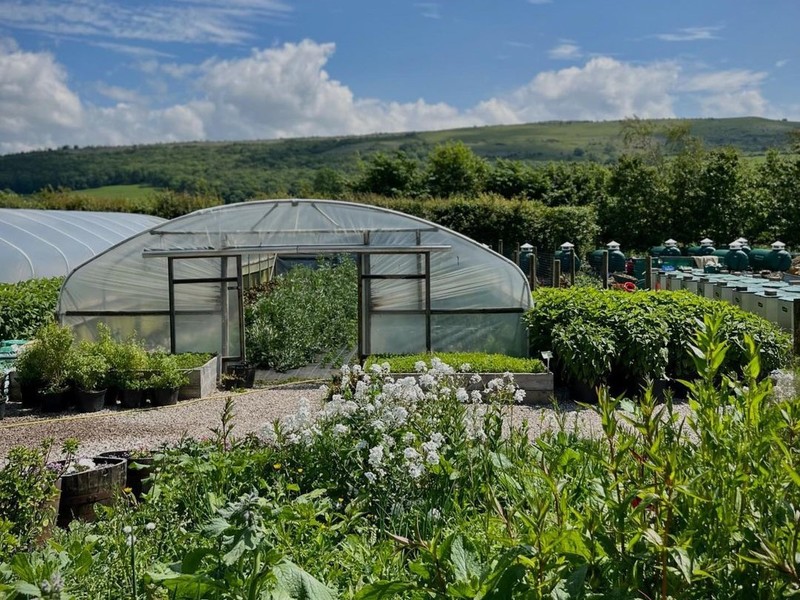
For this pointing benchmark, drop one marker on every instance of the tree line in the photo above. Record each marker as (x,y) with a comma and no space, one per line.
(665,184)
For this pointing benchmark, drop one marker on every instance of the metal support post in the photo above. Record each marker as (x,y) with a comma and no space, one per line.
(556,273)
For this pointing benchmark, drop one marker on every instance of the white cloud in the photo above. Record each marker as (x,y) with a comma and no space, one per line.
(286,91)
(734,104)
(429,10)
(199,21)
(723,81)
(37,108)
(117,93)
(604,88)
(565,51)
(782,63)
(730,93)
(690,34)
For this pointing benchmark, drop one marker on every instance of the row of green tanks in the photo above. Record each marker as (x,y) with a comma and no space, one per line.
(736,257)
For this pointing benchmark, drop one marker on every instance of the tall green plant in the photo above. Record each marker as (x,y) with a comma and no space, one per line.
(304,315)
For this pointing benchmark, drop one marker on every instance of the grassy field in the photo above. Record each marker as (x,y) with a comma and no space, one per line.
(117,192)
(277,167)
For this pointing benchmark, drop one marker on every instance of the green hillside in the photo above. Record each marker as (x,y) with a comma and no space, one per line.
(237,170)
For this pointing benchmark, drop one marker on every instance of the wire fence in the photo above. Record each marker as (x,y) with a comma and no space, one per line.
(552,269)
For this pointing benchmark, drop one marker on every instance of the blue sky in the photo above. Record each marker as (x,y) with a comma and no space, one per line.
(110,72)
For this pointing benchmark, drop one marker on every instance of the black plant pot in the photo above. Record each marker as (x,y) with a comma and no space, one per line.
(90,400)
(31,398)
(132,398)
(246,374)
(112,393)
(57,401)
(164,397)
(583,392)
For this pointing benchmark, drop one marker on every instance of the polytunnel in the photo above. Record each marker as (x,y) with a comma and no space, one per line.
(421,286)
(49,243)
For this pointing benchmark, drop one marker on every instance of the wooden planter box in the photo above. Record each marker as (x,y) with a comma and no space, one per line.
(539,387)
(202,381)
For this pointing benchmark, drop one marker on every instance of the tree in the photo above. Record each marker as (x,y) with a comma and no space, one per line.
(636,211)
(454,169)
(392,176)
(329,183)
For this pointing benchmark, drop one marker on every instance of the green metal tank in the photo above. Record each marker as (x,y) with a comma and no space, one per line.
(745,245)
(774,259)
(616,259)
(563,255)
(706,248)
(525,256)
(736,259)
(671,248)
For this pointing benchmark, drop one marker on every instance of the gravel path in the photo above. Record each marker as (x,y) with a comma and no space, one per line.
(115,429)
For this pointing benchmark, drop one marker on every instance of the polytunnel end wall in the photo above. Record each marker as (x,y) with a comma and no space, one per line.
(477,296)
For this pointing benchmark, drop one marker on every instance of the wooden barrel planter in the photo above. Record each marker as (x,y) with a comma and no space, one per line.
(80,491)
(51,507)
(137,470)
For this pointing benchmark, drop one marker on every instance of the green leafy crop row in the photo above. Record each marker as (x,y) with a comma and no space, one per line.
(476,361)
(595,333)
(26,306)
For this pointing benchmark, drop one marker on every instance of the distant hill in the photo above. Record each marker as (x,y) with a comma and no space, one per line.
(241,169)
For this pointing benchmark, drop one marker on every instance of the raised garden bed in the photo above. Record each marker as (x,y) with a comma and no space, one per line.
(202,381)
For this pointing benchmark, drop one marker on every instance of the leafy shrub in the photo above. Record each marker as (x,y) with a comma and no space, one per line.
(87,368)
(26,487)
(26,306)
(127,360)
(45,361)
(650,332)
(478,362)
(304,313)
(192,360)
(165,372)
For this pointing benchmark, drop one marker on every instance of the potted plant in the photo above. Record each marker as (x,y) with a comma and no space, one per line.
(245,374)
(52,351)
(30,373)
(584,353)
(88,370)
(139,468)
(165,379)
(128,362)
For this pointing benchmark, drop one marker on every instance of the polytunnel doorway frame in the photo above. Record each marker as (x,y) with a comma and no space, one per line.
(365,278)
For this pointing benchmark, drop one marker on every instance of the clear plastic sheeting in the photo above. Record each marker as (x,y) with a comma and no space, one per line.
(422,286)
(50,243)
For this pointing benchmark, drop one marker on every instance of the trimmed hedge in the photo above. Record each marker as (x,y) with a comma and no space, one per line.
(488,218)
(641,335)
(26,306)
(478,362)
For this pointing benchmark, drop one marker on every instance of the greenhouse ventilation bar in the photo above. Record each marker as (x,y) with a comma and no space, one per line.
(292,249)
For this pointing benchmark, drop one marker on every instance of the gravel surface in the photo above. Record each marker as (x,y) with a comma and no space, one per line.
(116,429)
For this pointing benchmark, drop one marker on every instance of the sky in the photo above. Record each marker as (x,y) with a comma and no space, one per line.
(119,72)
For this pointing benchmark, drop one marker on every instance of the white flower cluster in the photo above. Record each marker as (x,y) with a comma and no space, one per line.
(390,430)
